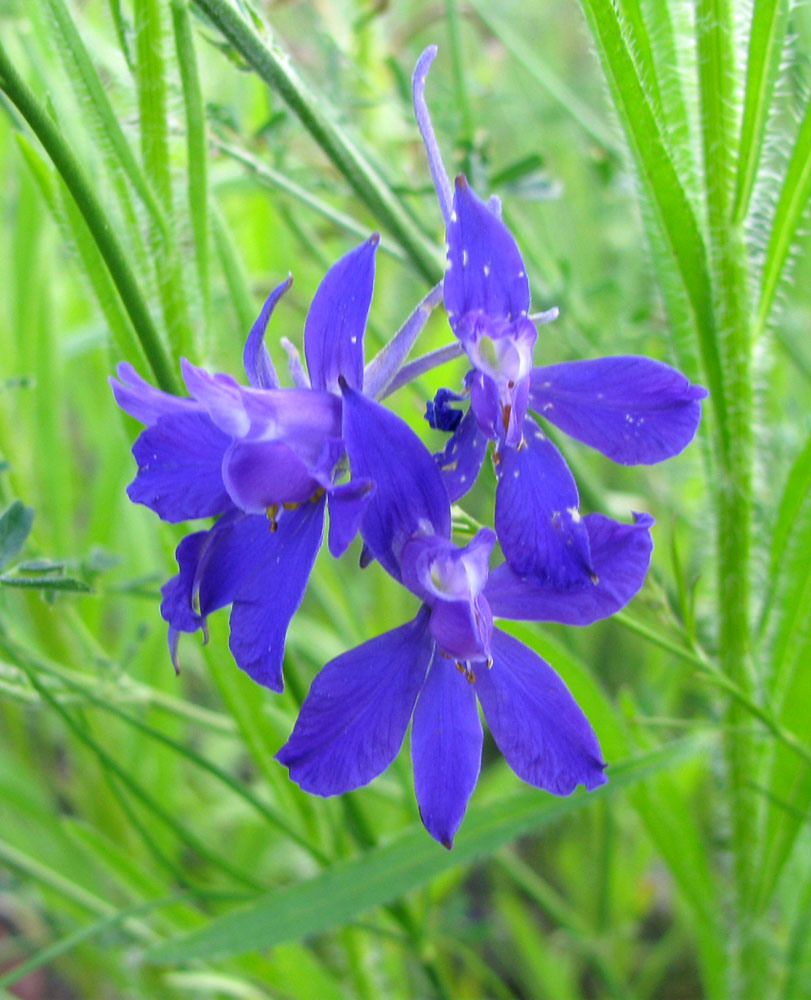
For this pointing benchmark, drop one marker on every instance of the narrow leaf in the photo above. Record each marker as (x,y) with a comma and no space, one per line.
(386,873)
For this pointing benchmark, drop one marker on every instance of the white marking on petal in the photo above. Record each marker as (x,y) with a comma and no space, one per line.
(486,270)
(353,339)
(465,258)
(454,216)
(574,513)
(547,406)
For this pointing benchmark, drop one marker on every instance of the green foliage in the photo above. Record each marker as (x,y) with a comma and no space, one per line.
(165,165)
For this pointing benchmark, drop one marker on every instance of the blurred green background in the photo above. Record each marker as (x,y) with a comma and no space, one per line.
(137,807)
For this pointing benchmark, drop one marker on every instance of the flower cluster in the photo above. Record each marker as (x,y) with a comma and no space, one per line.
(266,461)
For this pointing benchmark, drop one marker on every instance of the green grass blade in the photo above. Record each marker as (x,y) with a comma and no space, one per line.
(196,150)
(385,873)
(84,76)
(97,221)
(15,526)
(277,70)
(791,206)
(672,211)
(525,54)
(766,38)
(151,73)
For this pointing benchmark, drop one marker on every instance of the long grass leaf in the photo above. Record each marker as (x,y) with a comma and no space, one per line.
(671,208)
(277,70)
(385,873)
(766,37)
(97,221)
(791,206)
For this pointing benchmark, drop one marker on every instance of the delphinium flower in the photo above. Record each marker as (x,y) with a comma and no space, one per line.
(433,668)
(264,460)
(631,408)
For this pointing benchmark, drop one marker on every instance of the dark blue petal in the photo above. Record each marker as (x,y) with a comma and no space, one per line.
(409,496)
(537,519)
(538,726)
(347,505)
(620,555)
(446,749)
(463,629)
(143,401)
(440,414)
(267,599)
(353,721)
(630,408)
(336,322)
(462,458)
(258,366)
(180,467)
(485,270)
(177,606)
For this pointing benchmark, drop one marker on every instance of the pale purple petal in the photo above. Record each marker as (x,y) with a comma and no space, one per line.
(353,721)
(409,497)
(336,322)
(485,269)
(632,409)
(441,182)
(143,401)
(180,467)
(259,474)
(221,395)
(347,505)
(537,519)
(620,556)
(258,366)
(267,599)
(446,749)
(462,458)
(536,723)
(463,629)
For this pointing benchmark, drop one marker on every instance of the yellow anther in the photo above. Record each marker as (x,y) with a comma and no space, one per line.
(272,511)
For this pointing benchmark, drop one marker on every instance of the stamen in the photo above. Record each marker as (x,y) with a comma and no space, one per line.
(272,512)
(505,415)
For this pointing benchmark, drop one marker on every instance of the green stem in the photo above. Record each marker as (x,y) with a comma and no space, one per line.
(98,223)
(276,69)
(734,486)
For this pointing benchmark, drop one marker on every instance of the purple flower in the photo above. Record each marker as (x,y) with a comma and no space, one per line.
(433,669)
(632,409)
(262,459)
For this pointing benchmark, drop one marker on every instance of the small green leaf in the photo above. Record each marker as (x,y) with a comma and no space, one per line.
(15,525)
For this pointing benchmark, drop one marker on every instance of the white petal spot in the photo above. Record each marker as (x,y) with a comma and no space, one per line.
(521,274)
(486,270)
(465,258)
(547,406)
(454,216)
(353,339)
(574,513)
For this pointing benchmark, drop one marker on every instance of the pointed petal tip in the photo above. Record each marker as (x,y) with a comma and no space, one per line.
(643,519)
(374,239)
(424,62)
(460,182)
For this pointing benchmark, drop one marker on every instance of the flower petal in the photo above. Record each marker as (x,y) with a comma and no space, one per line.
(336,322)
(440,177)
(222,397)
(259,474)
(353,721)
(258,366)
(177,606)
(632,409)
(620,555)
(347,505)
(485,269)
(267,599)
(143,401)
(537,519)
(409,496)
(538,726)
(180,467)
(446,749)
(462,458)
